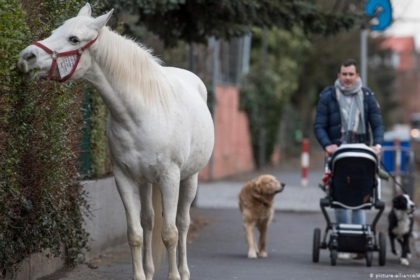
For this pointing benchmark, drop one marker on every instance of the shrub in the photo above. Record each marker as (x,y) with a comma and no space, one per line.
(41,201)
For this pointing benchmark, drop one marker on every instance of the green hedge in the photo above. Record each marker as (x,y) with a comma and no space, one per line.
(259,94)
(41,201)
(100,162)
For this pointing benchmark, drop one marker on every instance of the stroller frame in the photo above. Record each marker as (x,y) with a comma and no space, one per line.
(351,238)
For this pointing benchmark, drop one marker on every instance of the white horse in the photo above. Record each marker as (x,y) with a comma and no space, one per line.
(160,131)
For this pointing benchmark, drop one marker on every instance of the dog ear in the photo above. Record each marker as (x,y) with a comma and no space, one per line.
(257,193)
(256,186)
(258,180)
(399,202)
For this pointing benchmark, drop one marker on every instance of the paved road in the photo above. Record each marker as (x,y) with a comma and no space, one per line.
(218,252)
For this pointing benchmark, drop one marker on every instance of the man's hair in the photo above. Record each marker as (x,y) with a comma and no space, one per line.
(348,62)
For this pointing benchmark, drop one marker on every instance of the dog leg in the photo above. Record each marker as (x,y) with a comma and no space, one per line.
(262,227)
(404,261)
(249,236)
(405,250)
(408,248)
(392,242)
(403,257)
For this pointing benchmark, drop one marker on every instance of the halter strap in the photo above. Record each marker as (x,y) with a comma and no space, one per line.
(55,55)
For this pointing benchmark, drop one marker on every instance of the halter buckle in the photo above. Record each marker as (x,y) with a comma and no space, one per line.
(54,55)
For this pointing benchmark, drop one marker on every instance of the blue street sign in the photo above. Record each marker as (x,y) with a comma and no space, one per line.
(385,14)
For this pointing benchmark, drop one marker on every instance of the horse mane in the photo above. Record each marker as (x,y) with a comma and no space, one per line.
(134,66)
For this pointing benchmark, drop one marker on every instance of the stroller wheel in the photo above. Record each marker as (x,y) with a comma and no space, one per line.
(333,257)
(316,245)
(369,257)
(382,249)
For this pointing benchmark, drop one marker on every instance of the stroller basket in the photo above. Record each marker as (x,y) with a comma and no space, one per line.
(354,178)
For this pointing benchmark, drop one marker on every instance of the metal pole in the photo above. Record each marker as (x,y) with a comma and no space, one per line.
(363,54)
(246,54)
(397,145)
(192,51)
(215,45)
(263,105)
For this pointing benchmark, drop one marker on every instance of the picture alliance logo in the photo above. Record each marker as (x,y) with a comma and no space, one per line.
(395,275)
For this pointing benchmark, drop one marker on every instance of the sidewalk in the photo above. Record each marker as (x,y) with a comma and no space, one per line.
(295,197)
(224,193)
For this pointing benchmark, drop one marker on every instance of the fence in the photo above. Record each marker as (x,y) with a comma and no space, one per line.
(398,161)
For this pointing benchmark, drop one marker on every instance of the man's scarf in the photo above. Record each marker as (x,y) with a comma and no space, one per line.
(352,114)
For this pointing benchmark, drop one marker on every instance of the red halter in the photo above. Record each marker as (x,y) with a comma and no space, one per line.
(55,55)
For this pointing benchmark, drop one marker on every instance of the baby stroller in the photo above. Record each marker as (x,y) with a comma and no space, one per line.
(353,184)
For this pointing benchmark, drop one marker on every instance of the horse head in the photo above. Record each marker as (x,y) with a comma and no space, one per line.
(59,57)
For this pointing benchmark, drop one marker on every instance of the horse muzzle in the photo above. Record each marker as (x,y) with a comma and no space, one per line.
(27,57)
(22,66)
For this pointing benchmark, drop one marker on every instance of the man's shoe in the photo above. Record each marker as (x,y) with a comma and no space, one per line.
(344,256)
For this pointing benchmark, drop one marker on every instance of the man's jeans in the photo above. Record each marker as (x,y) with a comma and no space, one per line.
(342,216)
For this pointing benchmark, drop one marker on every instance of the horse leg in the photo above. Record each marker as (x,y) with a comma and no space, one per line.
(188,190)
(130,196)
(147,216)
(169,187)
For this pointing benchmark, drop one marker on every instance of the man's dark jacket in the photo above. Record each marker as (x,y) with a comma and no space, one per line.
(327,126)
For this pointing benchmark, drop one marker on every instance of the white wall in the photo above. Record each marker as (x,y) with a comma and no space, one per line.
(107,225)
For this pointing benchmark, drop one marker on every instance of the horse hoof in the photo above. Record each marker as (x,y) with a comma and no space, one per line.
(139,276)
(185,276)
(174,276)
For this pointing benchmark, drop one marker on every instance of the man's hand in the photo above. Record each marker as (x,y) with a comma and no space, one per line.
(377,150)
(331,149)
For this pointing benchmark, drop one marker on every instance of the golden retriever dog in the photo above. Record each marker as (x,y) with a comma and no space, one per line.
(256,205)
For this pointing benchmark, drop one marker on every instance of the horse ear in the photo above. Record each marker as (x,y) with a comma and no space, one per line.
(85,11)
(102,20)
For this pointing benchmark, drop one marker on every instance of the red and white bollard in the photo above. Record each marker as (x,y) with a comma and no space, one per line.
(305,161)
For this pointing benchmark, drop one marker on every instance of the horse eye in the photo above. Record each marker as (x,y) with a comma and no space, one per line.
(74,40)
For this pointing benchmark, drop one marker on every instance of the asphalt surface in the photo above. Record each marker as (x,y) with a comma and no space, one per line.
(219,252)
(218,249)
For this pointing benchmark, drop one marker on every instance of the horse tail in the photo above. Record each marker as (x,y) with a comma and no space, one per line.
(158,248)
